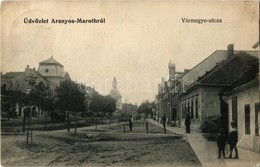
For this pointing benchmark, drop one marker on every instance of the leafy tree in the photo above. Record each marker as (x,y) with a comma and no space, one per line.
(145,108)
(9,99)
(103,104)
(70,98)
(129,108)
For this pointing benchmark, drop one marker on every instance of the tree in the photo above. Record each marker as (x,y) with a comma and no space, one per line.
(145,108)
(129,108)
(103,104)
(70,99)
(45,99)
(9,99)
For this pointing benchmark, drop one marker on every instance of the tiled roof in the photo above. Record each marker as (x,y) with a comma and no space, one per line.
(228,71)
(218,57)
(11,74)
(51,61)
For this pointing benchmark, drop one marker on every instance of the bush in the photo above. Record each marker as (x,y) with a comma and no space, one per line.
(211,124)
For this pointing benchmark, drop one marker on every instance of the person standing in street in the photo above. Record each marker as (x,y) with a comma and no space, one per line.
(130,123)
(187,122)
(221,142)
(233,140)
(164,123)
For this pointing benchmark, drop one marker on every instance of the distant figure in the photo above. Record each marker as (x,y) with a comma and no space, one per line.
(232,140)
(130,123)
(187,122)
(164,123)
(221,141)
(164,120)
(154,118)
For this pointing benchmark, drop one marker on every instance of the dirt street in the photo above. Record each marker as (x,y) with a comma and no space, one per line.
(105,148)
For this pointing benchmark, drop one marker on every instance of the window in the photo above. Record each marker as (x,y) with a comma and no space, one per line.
(234,109)
(191,109)
(188,107)
(247,119)
(196,108)
(46,70)
(257,119)
(183,110)
(4,87)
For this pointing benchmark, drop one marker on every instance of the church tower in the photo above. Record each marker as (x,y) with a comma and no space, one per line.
(171,67)
(114,84)
(116,94)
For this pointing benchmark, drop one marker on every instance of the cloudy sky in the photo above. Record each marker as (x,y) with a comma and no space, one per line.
(135,43)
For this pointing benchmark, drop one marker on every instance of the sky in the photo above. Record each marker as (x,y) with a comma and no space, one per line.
(135,44)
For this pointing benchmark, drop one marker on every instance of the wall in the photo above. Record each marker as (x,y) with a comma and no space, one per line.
(245,96)
(54,70)
(210,103)
(185,102)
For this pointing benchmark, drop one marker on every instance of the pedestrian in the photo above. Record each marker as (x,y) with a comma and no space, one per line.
(130,123)
(232,140)
(164,123)
(164,120)
(154,118)
(187,122)
(221,142)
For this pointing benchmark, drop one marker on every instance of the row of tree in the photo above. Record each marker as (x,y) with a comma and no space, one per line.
(65,100)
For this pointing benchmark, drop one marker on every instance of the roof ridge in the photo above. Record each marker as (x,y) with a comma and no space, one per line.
(51,60)
(237,51)
(223,63)
(202,62)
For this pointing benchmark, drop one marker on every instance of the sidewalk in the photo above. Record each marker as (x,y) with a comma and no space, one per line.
(207,151)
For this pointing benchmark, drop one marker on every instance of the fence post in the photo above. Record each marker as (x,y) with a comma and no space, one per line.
(96,123)
(146,127)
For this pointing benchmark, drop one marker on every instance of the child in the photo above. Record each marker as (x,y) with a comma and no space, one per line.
(221,141)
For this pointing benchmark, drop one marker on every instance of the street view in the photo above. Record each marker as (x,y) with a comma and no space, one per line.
(138,85)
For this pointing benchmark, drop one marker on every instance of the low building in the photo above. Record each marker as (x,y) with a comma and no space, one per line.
(243,107)
(201,98)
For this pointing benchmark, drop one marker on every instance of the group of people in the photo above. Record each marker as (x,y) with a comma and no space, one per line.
(231,140)
(222,139)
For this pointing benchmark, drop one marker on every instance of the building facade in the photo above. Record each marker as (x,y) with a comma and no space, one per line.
(50,72)
(201,98)
(196,91)
(243,108)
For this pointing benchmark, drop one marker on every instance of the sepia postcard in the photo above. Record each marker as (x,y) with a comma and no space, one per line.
(130,83)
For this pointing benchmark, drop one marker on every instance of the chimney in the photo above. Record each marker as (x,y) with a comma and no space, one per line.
(230,50)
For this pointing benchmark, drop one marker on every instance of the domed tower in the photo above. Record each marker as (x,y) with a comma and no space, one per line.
(52,70)
(171,67)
